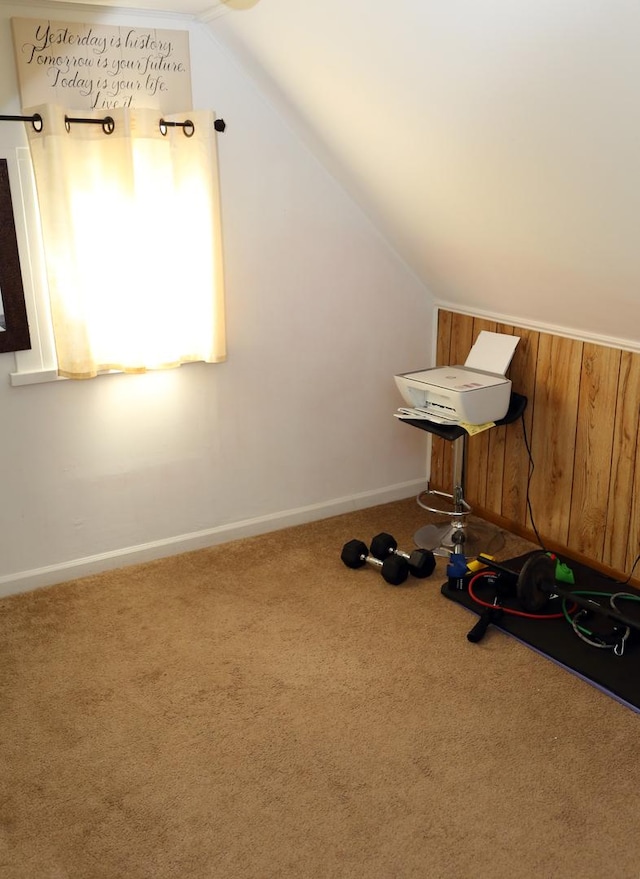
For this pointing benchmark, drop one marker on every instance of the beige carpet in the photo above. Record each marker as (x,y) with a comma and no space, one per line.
(257,710)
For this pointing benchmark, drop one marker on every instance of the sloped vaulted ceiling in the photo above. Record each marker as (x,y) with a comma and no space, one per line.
(495,143)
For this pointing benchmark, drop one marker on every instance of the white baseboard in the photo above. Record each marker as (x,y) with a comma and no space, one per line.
(25,581)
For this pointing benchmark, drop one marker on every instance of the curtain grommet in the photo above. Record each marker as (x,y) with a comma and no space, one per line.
(188,127)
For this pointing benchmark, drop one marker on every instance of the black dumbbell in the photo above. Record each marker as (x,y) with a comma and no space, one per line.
(421,562)
(394,569)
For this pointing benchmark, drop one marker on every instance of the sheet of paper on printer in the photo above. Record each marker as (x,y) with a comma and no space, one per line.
(492,352)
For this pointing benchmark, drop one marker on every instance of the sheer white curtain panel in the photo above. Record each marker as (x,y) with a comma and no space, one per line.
(132,239)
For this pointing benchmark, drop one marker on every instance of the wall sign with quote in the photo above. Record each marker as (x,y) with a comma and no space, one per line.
(99,67)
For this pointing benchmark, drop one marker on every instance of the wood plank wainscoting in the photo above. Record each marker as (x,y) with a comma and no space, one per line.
(582,422)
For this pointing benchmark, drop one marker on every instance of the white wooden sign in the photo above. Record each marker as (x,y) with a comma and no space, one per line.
(91,66)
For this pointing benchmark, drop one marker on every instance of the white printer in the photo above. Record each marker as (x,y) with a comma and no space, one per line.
(475,393)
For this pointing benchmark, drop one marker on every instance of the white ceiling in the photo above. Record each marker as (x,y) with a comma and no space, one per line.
(202,9)
(495,143)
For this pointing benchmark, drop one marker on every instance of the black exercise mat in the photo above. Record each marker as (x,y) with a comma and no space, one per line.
(618,676)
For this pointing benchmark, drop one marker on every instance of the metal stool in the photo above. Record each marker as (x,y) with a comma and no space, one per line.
(478,536)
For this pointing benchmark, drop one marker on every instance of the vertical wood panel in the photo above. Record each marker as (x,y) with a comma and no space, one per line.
(631,501)
(516,464)
(554,433)
(497,451)
(478,446)
(623,524)
(461,341)
(461,338)
(594,445)
(439,460)
(623,514)
(460,328)
(443,345)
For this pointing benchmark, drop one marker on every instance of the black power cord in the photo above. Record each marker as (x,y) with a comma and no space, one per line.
(529,476)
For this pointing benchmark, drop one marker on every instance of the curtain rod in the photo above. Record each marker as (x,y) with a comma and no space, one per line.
(35,120)
(108,124)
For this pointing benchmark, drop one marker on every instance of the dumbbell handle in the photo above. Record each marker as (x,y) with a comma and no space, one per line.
(365,558)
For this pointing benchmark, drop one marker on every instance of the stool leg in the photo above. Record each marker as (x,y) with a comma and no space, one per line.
(440,538)
(459,448)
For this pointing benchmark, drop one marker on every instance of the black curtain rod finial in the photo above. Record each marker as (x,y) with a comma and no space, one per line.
(188,127)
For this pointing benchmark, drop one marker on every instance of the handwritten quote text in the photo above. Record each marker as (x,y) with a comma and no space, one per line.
(93,66)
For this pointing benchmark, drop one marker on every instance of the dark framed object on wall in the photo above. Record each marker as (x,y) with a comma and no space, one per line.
(14,326)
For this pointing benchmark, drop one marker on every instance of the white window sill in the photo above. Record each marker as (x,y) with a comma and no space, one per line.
(17,379)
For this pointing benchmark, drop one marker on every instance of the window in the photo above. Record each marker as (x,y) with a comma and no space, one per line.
(131,244)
